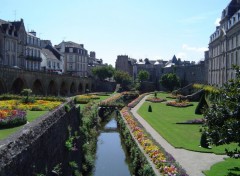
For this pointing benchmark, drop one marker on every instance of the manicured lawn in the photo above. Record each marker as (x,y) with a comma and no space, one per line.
(31,115)
(164,118)
(229,167)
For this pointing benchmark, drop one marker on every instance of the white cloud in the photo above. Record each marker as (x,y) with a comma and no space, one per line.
(196,49)
(217,22)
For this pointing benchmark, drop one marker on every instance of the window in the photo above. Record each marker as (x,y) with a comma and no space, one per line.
(70,58)
(70,50)
(58,65)
(49,64)
(70,66)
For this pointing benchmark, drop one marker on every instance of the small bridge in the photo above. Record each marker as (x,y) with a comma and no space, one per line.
(14,80)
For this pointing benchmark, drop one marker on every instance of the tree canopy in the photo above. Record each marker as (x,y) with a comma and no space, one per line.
(103,72)
(222,124)
(122,78)
(170,81)
(143,75)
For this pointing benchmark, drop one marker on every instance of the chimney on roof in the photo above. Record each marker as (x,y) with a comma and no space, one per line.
(82,45)
(33,33)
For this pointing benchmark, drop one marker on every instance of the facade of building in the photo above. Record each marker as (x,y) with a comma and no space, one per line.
(50,63)
(125,63)
(93,62)
(12,43)
(224,46)
(75,58)
(52,60)
(33,50)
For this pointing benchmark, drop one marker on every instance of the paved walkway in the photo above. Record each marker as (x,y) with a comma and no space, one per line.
(193,162)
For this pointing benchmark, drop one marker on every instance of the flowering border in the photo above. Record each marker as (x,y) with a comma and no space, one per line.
(155,100)
(162,160)
(13,118)
(179,104)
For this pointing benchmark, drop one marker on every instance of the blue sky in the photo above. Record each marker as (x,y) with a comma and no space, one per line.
(154,29)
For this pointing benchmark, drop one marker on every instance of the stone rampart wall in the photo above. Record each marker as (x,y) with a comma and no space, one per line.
(40,145)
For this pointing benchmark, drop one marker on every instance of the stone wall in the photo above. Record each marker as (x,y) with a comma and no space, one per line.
(104,86)
(187,74)
(40,145)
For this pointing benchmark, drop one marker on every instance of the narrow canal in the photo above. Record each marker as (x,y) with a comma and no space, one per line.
(111,158)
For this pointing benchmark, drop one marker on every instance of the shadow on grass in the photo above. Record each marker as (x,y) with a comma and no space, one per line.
(234,169)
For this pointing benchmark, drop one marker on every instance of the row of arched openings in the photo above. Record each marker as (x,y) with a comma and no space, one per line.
(18,85)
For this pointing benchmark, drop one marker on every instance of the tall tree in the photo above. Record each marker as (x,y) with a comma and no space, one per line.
(123,78)
(143,75)
(222,124)
(103,72)
(170,81)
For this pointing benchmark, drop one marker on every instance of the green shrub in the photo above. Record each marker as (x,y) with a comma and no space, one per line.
(204,141)
(149,108)
(201,105)
(67,108)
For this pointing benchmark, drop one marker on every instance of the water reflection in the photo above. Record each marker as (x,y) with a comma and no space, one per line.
(111,159)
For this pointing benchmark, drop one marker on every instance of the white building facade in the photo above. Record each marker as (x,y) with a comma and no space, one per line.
(224,46)
(33,50)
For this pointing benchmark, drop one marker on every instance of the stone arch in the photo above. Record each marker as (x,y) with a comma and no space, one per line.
(72,88)
(80,88)
(63,89)
(37,87)
(52,88)
(2,87)
(17,86)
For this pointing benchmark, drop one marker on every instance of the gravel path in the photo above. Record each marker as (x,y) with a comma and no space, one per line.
(193,162)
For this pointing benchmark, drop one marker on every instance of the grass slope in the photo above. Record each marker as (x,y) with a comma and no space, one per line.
(229,167)
(164,118)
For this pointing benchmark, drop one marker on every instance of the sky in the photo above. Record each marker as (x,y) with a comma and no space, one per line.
(154,29)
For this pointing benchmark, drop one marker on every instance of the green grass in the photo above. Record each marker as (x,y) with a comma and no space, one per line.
(31,115)
(97,100)
(164,118)
(229,167)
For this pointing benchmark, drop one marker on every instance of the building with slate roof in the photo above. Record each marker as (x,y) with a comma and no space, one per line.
(12,43)
(224,46)
(75,58)
(52,60)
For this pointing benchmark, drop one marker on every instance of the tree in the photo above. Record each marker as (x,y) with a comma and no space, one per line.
(170,81)
(123,78)
(103,72)
(142,75)
(222,124)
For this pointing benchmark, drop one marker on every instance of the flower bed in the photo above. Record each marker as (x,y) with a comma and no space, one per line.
(181,104)
(137,100)
(163,161)
(111,100)
(155,100)
(193,121)
(12,118)
(38,105)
